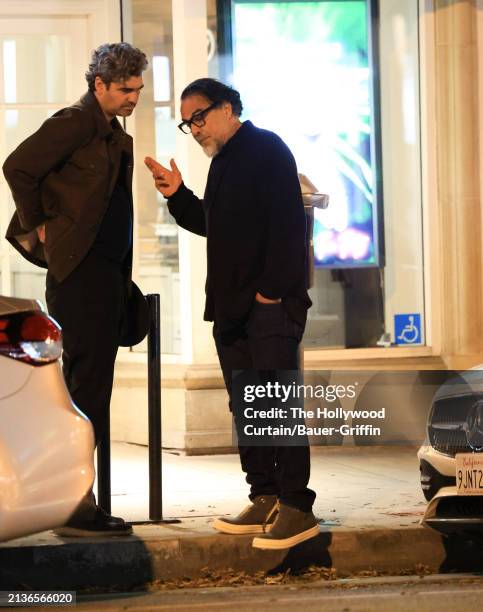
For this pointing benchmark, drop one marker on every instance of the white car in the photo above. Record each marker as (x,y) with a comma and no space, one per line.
(451,460)
(46,443)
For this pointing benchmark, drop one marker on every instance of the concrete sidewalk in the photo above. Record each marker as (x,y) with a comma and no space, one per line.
(369,502)
(357,487)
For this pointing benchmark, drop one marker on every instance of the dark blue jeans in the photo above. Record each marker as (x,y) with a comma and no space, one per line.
(269,340)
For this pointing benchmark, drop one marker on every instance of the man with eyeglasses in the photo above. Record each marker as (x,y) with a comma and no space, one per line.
(252,216)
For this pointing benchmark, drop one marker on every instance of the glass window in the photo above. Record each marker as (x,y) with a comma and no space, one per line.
(47,83)
(29,93)
(155,129)
(341,88)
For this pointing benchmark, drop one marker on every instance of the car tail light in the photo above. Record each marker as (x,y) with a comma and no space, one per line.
(32,337)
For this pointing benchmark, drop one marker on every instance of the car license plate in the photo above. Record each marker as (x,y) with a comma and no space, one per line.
(469,473)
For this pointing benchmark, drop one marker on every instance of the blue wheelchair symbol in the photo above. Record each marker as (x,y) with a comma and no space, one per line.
(407,328)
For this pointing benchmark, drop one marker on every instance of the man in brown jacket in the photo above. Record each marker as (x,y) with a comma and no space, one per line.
(71,182)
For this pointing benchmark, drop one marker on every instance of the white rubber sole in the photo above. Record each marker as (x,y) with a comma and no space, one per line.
(272,544)
(224,527)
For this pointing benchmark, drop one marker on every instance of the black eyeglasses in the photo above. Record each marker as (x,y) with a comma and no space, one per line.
(197,119)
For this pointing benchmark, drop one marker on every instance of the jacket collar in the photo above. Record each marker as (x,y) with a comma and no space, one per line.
(104,128)
(238,137)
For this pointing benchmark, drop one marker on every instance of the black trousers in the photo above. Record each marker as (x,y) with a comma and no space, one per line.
(268,341)
(89,306)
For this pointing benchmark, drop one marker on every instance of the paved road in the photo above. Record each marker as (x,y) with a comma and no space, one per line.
(455,593)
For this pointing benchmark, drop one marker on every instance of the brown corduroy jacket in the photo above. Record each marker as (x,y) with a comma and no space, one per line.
(63,176)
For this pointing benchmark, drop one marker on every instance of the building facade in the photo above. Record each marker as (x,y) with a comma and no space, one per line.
(380,102)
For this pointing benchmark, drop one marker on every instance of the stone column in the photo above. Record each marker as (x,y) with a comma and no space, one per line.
(190,52)
(458,176)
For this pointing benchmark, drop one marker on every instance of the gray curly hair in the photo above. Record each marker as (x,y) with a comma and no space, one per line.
(115,62)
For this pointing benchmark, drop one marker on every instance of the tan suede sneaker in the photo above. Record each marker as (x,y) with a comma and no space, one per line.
(291,527)
(255,518)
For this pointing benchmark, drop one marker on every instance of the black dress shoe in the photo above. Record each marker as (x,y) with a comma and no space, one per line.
(102,524)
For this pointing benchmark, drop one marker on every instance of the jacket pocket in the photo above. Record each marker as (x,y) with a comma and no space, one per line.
(55,229)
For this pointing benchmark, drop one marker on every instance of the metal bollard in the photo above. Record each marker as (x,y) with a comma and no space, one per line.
(154,410)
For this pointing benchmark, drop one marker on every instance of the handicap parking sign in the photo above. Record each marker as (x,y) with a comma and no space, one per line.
(407,328)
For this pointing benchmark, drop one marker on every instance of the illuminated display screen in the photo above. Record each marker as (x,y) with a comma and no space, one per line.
(302,69)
